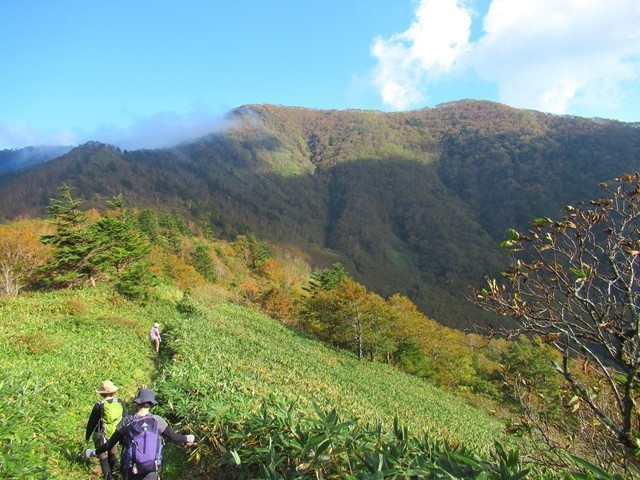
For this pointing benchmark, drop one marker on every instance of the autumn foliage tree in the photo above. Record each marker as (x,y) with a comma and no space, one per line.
(576,283)
(350,317)
(341,311)
(21,255)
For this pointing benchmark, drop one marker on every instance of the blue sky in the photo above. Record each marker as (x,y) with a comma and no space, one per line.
(142,73)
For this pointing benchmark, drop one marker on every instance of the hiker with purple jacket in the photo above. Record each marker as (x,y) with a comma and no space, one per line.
(154,336)
(142,437)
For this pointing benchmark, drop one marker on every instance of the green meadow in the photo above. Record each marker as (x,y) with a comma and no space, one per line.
(227,360)
(218,365)
(55,349)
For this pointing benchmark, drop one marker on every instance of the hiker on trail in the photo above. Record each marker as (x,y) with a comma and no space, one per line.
(104,418)
(154,336)
(141,435)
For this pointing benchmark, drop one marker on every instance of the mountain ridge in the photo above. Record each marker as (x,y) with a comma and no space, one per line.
(412,202)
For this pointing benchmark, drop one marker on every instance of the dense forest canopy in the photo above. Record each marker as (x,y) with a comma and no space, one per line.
(413,202)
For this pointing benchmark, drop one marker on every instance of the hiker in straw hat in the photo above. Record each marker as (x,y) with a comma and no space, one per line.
(104,418)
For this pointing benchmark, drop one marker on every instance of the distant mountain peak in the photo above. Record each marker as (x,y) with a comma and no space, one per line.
(93,145)
(22,158)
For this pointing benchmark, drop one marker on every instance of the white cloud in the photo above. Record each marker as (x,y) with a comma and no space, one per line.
(162,130)
(550,55)
(19,134)
(156,131)
(427,50)
(554,54)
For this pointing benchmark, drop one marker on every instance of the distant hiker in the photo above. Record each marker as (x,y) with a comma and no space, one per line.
(104,418)
(154,336)
(141,435)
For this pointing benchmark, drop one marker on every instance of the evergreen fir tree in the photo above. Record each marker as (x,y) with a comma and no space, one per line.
(69,263)
(203,264)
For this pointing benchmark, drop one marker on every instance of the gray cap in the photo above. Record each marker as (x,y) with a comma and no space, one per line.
(145,395)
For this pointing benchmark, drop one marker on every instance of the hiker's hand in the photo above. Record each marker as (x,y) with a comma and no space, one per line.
(89,452)
(191,440)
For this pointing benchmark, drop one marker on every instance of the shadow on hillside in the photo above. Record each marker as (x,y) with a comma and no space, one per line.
(424,222)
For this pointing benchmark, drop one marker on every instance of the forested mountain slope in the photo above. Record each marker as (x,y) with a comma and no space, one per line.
(413,202)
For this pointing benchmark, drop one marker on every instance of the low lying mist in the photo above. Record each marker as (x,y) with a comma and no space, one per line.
(163,130)
(160,130)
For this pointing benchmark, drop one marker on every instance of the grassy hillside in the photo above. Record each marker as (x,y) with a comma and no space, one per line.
(55,350)
(227,360)
(218,364)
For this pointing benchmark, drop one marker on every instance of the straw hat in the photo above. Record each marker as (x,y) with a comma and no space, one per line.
(107,387)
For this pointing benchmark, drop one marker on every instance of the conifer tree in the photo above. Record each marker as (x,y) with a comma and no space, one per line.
(69,263)
(203,264)
(148,223)
(114,245)
(84,252)
(327,279)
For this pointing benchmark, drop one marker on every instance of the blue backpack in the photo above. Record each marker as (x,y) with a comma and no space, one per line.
(142,452)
